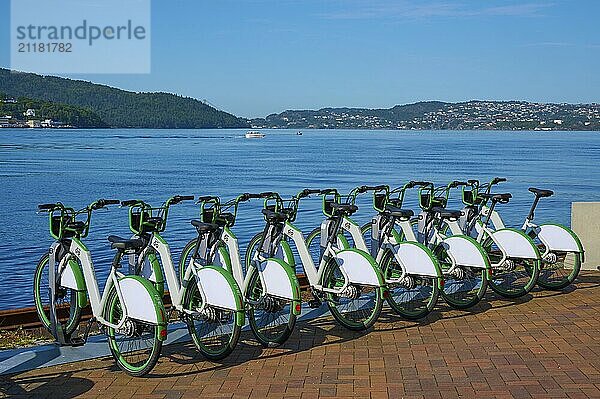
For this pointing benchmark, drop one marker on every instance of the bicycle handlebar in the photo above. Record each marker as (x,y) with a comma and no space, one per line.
(328,191)
(179,198)
(47,207)
(101,203)
(457,183)
(206,198)
(419,183)
(248,196)
(364,189)
(307,192)
(497,180)
(131,202)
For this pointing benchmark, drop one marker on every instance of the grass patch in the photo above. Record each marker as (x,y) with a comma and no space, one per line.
(20,338)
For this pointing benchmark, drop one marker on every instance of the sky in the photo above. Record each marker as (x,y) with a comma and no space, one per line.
(257,57)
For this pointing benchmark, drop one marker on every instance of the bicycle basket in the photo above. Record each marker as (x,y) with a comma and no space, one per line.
(327,207)
(208,214)
(56,227)
(467,197)
(425,200)
(225,219)
(397,202)
(137,217)
(379,201)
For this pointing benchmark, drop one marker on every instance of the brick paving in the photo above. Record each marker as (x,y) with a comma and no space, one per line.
(545,345)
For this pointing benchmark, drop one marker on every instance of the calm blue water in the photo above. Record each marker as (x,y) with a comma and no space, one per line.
(80,166)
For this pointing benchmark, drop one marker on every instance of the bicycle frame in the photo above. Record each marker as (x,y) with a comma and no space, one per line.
(345,258)
(210,280)
(351,262)
(138,301)
(278,278)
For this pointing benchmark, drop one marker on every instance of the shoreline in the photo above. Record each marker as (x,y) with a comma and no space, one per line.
(297,128)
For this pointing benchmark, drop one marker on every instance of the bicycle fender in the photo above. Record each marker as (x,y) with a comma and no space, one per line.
(515,244)
(142,301)
(280,279)
(72,277)
(360,267)
(219,287)
(465,251)
(559,238)
(417,259)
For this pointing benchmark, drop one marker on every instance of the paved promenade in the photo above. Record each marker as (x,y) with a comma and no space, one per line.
(546,345)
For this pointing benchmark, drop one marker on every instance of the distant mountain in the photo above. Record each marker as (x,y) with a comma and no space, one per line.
(434,115)
(119,108)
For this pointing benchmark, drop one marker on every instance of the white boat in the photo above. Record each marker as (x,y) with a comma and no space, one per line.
(255,135)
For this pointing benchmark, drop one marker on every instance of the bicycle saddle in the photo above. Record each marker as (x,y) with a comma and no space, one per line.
(447,213)
(124,243)
(202,227)
(348,209)
(399,213)
(274,217)
(541,193)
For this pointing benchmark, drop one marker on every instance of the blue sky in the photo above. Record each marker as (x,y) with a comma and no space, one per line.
(257,57)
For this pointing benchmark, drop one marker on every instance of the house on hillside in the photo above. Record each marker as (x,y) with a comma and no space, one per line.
(52,124)
(6,121)
(30,113)
(9,101)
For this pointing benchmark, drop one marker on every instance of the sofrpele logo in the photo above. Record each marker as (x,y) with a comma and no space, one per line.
(83,36)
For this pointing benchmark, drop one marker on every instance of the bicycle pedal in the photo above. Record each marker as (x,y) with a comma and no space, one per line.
(314,304)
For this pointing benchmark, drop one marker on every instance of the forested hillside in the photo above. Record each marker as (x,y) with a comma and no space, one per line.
(119,108)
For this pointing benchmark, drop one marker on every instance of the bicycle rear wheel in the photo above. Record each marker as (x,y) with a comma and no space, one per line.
(358,307)
(136,345)
(67,300)
(215,331)
(414,297)
(271,319)
(515,278)
(560,269)
(465,286)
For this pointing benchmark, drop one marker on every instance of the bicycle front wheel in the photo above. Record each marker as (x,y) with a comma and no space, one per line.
(271,319)
(215,331)
(412,298)
(67,300)
(358,307)
(136,345)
